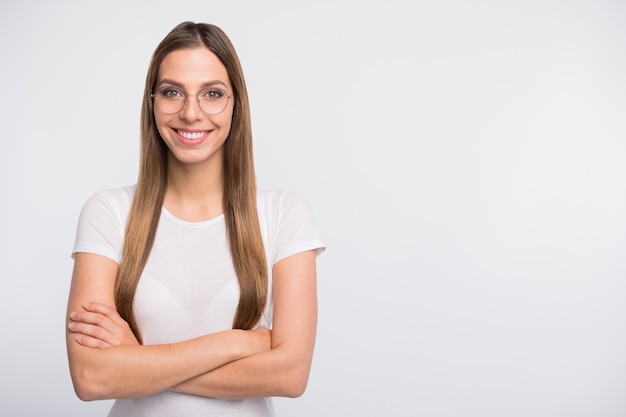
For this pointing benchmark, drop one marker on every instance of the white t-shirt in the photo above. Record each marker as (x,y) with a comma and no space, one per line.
(189,287)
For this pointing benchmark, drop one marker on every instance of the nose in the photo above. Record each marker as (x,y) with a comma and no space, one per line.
(191,109)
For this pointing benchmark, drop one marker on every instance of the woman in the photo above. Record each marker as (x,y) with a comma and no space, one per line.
(178,279)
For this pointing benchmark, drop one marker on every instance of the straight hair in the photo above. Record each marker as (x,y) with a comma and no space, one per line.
(239,201)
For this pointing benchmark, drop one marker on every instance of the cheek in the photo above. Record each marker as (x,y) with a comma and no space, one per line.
(224,121)
(160,123)
(228,118)
(157,119)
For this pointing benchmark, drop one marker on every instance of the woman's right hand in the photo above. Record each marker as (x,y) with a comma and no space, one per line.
(100,326)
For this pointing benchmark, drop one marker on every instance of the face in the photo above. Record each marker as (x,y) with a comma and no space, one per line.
(191,135)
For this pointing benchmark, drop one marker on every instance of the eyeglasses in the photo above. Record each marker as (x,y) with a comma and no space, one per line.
(172,100)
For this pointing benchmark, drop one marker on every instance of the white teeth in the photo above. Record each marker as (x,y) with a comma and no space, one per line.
(191,135)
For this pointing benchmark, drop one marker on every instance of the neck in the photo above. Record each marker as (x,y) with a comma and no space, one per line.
(194,192)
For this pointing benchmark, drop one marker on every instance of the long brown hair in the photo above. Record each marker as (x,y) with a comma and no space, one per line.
(240,209)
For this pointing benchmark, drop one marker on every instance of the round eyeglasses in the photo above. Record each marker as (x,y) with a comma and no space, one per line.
(171,100)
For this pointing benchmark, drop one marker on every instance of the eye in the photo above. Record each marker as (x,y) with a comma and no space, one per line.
(171,93)
(212,94)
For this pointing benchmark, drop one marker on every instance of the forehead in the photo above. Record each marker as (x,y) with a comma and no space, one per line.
(193,67)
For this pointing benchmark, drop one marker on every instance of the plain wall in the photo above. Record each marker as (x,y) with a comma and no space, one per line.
(465,162)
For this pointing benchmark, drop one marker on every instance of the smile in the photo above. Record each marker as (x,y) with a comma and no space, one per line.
(191,135)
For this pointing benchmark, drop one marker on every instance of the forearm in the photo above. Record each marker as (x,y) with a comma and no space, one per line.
(137,371)
(278,372)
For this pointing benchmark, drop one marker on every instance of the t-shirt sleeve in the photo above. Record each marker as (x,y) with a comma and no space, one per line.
(100,227)
(296,229)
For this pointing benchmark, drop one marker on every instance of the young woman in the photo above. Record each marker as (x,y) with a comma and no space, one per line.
(178,279)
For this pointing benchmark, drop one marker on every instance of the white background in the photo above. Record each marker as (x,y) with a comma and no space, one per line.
(465,162)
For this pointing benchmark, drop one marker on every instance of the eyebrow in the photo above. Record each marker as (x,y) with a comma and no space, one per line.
(204,85)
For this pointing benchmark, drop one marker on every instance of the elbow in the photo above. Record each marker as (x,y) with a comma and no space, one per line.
(295,391)
(88,388)
(294,384)
(84,394)
(292,374)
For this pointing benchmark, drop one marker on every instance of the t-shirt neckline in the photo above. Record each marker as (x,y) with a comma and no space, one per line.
(195,225)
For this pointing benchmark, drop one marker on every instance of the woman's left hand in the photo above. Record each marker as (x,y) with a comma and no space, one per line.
(100,326)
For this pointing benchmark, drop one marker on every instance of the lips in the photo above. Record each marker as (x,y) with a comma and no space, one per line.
(191,135)
(191,138)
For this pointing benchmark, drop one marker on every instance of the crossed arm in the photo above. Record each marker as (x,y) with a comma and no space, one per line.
(107,362)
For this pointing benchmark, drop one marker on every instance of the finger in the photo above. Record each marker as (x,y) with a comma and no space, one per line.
(102,327)
(90,331)
(95,319)
(88,341)
(105,310)
(100,308)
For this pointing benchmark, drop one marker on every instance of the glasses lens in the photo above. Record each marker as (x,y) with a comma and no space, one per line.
(169,100)
(213,100)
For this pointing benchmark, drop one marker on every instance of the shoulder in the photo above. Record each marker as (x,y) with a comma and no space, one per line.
(122,196)
(111,203)
(113,199)
(288,224)
(102,222)
(277,201)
